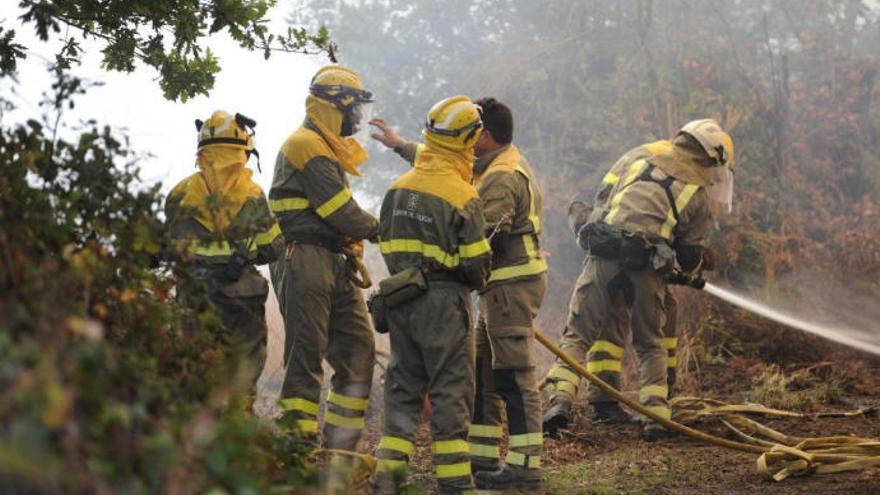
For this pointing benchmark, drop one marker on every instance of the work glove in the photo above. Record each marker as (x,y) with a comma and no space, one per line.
(234,267)
(354,248)
(578,215)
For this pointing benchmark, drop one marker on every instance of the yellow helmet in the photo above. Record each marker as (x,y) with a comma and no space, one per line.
(714,141)
(454,123)
(227,130)
(339,85)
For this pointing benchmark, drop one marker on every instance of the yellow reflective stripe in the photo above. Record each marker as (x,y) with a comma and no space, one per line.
(481,450)
(474,249)
(526,439)
(453,470)
(416,246)
(567,387)
(634,170)
(485,431)
(307,425)
(288,204)
(386,465)
(519,459)
(670,342)
(662,411)
(216,248)
(671,362)
(450,447)
(684,197)
(533,267)
(397,444)
(419,148)
(610,179)
(353,403)
(563,374)
(268,236)
(533,207)
(299,404)
(356,422)
(334,203)
(608,348)
(650,391)
(603,365)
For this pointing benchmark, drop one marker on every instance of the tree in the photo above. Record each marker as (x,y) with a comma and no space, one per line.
(167,35)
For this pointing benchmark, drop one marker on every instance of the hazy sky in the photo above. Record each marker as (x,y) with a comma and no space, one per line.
(270,91)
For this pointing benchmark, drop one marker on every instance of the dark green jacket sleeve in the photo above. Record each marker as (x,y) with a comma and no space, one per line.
(407,151)
(328,193)
(473,248)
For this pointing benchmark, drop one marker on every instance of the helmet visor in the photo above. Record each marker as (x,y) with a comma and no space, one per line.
(721,191)
(356,120)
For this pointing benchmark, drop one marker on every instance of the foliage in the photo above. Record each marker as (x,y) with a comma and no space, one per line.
(107,384)
(797,390)
(168,35)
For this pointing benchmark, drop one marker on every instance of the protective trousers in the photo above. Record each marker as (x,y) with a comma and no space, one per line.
(324,316)
(506,378)
(562,379)
(432,352)
(245,319)
(604,300)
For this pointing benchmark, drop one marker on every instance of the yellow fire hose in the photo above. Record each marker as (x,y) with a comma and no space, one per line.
(797,455)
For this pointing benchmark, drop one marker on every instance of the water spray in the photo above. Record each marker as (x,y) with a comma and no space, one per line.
(841,335)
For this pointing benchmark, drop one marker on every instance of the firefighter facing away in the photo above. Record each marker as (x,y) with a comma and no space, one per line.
(324,313)
(433,242)
(604,357)
(656,221)
(222,216)
(505,379)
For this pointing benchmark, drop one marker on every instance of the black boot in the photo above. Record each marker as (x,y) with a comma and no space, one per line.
(508,478)
(651,432)
(610,413)
(558,415)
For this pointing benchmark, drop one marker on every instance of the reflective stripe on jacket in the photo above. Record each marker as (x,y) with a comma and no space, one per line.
(310,193)
(512,209)
(432,218)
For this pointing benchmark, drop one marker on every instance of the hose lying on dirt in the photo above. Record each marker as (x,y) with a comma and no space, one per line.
(795,455)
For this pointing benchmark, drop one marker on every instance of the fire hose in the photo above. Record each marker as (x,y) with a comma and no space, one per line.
(800,456)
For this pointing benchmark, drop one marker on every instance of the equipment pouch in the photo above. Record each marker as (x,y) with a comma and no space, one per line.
(378,312)
(403,287)
(635,251)
(603,240)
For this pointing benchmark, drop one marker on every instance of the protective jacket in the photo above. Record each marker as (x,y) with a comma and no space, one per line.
(432,218)
(663,197)
(219,211)
(310,193)
(512,208)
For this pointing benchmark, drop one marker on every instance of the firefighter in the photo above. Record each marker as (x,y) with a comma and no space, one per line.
(655,221)
(325,315)
(511,202)
(433,242)
(604,358)
(223,218)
